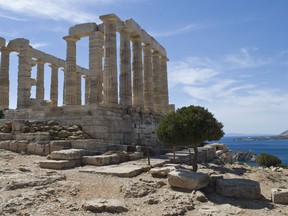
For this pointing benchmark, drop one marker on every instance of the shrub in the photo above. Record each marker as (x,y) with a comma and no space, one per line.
(267,160)
(1,114)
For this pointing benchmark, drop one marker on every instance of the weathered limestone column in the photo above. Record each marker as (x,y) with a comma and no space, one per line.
(63,93)
(24,75)
(96,41)
(125,68)
(110,59)
(87,89)
(78,88)
(164,85)
(148,78)
(71,73)
(40,80)
(137,70)
(4,78)
(156,81)
(54,85)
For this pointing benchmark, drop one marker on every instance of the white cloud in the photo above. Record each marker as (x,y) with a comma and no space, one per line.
(3,15)
(241,102)
(37,45)
(181,30)
(71,11)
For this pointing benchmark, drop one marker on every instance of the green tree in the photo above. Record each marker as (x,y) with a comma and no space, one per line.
(267,160)
(189,126)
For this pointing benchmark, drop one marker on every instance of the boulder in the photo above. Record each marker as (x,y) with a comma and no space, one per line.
(279,195)
(105,205)
(239,188)
(199,196)
(244,156)
(186,179)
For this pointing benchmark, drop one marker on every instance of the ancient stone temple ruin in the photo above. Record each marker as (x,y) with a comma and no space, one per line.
(123,102)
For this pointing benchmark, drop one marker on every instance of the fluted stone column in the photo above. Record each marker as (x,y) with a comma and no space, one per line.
(40,80)
(125,68)
(78,88)
(156,81)
(96,41)
(137,71)
(71,73)
(54,85)
(148,78)
(87,89)
(4,78)
(164,85)
(63,93)
(24,76)
(110,59)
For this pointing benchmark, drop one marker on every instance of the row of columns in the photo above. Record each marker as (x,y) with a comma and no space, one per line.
(148,87)
(24,81)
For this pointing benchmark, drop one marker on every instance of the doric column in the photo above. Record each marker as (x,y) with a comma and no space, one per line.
(125,68)
(87,89)
(110,59)
(4,78)
(71,73)
(54,85)
(156,81)
(164,85)
(148,78)
(137,70)
(96,41)
(63,93)
(24,76)
(78,88)
(40,80)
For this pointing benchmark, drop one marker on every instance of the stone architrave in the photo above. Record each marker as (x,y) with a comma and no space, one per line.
(156,68)
(24,76)
(110,59)
(40,80)
(164,86)
(137,71)
(96,41)
(4,78)
(71,73)
(125,68)
(148,78)
(54,85)
(78,88)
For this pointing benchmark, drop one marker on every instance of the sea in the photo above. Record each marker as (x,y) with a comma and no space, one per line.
(275,147)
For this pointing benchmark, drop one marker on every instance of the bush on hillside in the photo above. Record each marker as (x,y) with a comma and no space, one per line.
(1,114)
(267,160)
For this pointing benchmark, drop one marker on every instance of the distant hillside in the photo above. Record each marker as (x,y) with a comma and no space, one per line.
(285,133)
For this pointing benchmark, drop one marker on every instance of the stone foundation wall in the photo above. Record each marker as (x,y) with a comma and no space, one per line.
(112,125)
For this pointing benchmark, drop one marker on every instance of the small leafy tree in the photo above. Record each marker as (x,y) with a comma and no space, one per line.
(1,114)
(189,126)
(267,160)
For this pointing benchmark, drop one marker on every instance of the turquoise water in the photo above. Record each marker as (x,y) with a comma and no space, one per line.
(278,148)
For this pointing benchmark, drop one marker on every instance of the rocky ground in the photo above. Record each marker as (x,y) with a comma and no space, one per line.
(27,189)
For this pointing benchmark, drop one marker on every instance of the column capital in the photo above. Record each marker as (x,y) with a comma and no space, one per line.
(53,65)
(110,18)
(164,58)
(136,39)
(5,49)
(71,38)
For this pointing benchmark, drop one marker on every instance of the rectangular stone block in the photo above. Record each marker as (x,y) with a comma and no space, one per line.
(101,160)
(41,149)
(5,144)
(59,164)
(58,145)
(6,136)
(279,196)
(68,154)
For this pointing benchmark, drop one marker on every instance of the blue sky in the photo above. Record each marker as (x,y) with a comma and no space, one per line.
(229,56)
